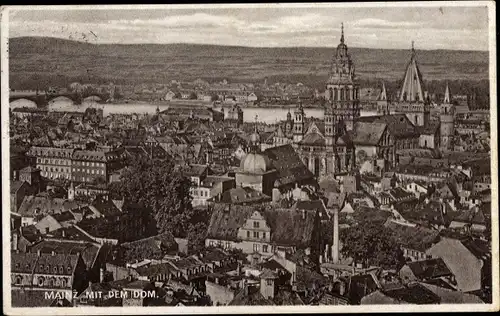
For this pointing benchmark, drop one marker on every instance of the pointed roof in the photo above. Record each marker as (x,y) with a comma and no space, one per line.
(412,88)
(383,94)
(447,95)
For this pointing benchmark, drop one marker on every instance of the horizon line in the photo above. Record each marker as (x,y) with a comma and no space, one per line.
(242,46)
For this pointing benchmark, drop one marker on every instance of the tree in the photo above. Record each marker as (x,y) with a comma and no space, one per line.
(160,186)
(370,243)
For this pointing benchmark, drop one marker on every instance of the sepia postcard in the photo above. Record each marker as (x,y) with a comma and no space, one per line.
(249,158)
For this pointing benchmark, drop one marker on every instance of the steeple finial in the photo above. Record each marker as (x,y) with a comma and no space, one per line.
(256,119)
(413,48)
(342,32)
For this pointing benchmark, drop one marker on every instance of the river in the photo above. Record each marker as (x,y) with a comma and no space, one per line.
(267,115)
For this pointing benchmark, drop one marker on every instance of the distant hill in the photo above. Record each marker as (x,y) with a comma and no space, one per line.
(43,61)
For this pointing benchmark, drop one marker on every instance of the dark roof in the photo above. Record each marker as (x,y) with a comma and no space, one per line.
(429,129)
(250,296)
(241,195)
(15,185)
(160,242)
(45,205)
(89,251)
(287,226)
(365,133)
(413,294)
(23,262)
(196,170)
(429,269)
(69,233)
(288,165)
(398,124)
(153,270)
(314,139)
(64,216)
(477,247)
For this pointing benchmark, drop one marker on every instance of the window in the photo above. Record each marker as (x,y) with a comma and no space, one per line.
(256,224)
(256,247)
(255,234)
(248,234)
(265,248)
(269,282)
(40,281)
(264,235)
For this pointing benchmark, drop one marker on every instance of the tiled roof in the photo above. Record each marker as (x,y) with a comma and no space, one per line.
(88,251)
(250,296)
(288,227)
(23,262)
(89,155)
(398,124)
(429,269)
(367,133)
(448,296)
(45,205)
(313,139)
(429,129)
(413,294)
(52,152)
(153,270)
(161,241)
(15,185)
(288,165)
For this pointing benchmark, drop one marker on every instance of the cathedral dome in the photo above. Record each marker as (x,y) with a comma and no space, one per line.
(255,163)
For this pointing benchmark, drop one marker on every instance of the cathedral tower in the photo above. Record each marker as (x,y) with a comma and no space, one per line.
(447,123)
(413,99)
(298,123)
(342,89)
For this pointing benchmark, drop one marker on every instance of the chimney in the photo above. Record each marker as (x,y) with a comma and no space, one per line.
(335,247)
(14,241)
(63,232)
(101,275)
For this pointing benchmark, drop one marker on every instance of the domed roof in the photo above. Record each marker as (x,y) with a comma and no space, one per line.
(255,163)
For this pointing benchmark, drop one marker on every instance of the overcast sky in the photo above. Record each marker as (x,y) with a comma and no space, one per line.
(463,28)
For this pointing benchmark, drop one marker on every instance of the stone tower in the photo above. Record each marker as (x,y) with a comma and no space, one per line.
(298,123)
(342,89)
(447,123)
(383,102)
(413,100)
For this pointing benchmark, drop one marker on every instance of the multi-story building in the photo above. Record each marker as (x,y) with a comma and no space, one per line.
(54,163)
(88,166)
(48,272)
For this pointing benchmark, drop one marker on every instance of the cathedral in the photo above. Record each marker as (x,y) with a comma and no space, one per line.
(344,141)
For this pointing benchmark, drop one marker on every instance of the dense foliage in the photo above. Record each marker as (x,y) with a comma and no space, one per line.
(370,243)
(162,187)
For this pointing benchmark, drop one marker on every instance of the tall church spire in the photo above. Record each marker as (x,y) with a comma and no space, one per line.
(412,89)
(447,95)
(342,32)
